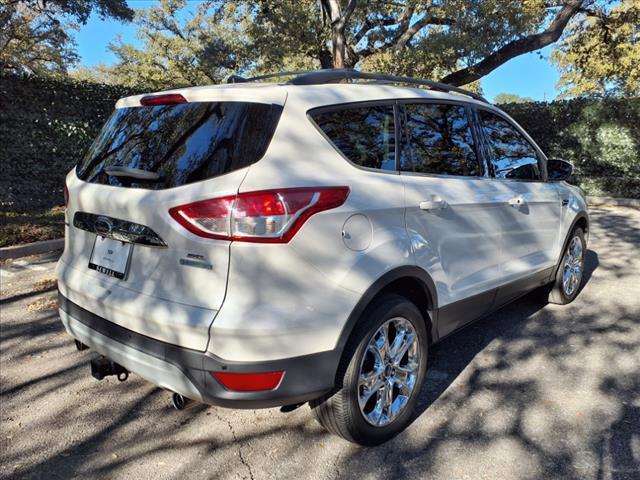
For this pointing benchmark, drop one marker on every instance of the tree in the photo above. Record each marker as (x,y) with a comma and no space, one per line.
(35,33)
(179,50)
(511,98)
(601,53)
(457,41)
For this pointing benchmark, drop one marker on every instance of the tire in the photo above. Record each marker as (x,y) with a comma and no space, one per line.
(561,292)
(340,412)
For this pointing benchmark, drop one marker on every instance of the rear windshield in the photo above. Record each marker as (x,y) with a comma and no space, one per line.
(182,143)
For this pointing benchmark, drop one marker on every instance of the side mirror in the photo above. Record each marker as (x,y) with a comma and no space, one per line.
(559,170)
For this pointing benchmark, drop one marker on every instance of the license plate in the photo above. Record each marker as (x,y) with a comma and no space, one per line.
(110,257)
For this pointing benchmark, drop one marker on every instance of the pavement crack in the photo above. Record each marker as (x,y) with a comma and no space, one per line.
(337,465)
(235,439)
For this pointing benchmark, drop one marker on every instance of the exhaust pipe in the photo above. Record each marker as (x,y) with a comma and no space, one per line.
(180,402)
(103,367)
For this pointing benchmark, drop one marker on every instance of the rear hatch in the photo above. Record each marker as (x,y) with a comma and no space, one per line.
(125,258)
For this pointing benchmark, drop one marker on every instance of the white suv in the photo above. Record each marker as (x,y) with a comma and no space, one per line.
(258,244)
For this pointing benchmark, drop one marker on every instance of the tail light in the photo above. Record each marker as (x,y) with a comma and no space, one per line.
(249,382)
(163,99)
(269,216)
(65,191)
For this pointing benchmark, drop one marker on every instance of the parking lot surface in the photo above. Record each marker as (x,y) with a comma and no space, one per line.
(533,391)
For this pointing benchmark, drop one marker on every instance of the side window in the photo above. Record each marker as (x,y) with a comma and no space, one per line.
(365,135)
(438,139)
(511,154)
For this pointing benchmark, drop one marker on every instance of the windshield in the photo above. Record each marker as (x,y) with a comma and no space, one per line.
(182,143)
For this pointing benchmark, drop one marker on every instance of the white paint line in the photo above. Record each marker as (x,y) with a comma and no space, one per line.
(5,274)
(25,264)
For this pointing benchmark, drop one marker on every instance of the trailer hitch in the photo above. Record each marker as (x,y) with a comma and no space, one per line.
(103,367)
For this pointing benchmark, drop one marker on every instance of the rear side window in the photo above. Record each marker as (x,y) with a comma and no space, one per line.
(437,139)
(511,154)
(182,143)
(365,135)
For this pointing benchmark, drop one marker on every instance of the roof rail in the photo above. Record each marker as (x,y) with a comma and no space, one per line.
(336,75)
(239,79)
(333,75)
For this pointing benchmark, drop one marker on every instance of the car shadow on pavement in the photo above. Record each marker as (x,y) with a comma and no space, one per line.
(536,388)
(491,388)
(452,355)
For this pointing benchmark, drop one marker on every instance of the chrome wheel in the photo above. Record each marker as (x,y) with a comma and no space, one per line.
(388,372)
(572,266)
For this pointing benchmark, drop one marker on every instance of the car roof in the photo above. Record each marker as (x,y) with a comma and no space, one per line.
(310,96)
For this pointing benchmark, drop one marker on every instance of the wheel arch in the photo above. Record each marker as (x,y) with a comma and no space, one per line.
(411,282)
(581,220)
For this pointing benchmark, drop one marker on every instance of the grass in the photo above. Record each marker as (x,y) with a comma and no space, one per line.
(26,227)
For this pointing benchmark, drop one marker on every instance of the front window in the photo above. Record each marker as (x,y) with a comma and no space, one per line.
(438,140)
(511,154)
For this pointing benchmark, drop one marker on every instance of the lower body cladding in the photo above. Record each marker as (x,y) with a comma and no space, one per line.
(201,376)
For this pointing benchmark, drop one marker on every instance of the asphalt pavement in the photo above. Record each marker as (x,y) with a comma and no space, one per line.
(533,391)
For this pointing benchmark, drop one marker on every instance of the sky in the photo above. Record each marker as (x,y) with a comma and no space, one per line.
(528,75)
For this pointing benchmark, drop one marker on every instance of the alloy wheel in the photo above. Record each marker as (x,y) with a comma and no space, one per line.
(572,266)
(388,372)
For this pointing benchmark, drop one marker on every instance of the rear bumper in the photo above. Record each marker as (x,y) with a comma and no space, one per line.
(188,372)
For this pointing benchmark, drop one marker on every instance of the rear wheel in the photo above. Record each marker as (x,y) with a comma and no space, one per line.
(380,376)
(570,272)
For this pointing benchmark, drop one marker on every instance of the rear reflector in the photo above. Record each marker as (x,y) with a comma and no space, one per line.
(163,99)
(66,196)
(269,216)
(249,382)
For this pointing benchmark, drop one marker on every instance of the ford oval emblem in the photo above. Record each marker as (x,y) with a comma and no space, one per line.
(102,226)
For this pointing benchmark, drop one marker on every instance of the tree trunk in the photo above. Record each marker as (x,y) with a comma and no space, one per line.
(338,19)
(338,42)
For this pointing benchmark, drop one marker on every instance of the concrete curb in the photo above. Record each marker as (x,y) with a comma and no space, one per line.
(34,248)
(613,202)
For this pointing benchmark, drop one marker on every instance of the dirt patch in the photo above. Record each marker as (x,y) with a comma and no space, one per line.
(43,304)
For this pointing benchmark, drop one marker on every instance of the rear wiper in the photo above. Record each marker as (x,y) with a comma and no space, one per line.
(136,173)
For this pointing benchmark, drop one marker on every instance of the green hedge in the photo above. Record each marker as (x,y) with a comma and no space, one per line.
(46,125)
(601,137)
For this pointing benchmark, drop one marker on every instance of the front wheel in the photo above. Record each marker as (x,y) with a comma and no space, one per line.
(380,376)
(570,271)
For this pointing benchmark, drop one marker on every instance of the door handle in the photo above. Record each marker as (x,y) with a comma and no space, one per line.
(517,201)
(436,203)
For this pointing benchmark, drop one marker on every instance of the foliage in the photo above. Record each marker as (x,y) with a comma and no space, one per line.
(35,34)
(42,138)
(601,53)
(200,49)
(601,137)
(511,98)
(457,40)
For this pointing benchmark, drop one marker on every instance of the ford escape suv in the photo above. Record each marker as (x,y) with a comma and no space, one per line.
(264,244)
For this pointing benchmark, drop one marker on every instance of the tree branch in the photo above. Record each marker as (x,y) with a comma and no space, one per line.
(405,17)
(370,24)
(406,36)
(517,47)
(351,6)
